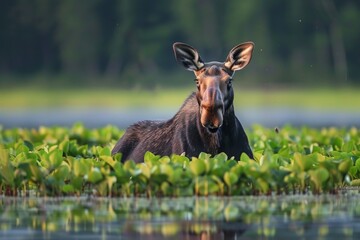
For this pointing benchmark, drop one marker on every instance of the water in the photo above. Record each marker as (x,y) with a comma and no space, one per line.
(97,117)
(274,217)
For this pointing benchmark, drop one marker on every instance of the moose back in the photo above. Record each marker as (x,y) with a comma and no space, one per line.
(206,121)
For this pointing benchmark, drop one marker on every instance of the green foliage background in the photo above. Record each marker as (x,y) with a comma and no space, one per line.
(77,161)
(128,42)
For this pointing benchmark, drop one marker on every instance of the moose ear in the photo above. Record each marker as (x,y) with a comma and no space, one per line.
(188,56)
(239,56)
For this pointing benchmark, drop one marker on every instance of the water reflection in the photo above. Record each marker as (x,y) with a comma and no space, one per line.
(297,217)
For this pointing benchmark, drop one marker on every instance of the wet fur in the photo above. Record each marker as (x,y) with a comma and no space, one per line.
(184,134)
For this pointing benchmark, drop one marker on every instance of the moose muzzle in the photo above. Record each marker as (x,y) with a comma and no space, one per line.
(212,109)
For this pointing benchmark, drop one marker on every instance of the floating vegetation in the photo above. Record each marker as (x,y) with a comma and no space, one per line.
(76,161)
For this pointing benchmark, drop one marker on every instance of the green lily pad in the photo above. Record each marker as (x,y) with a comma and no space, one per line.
(197,166)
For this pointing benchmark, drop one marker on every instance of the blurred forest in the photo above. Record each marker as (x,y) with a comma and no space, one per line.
(129,42)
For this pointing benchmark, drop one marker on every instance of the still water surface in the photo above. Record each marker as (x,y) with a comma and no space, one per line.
(276,217)
(98,117)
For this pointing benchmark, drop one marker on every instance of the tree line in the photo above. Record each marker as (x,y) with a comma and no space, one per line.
(298,42)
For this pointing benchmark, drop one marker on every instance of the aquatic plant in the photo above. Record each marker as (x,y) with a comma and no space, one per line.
(60,161)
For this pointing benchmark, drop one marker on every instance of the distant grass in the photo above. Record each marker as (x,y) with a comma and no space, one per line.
(345,98)
(341,99)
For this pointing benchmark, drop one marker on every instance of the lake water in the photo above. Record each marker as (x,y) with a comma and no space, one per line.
(97,117)
(204,218)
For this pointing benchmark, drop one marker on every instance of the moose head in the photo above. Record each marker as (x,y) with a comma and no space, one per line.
(214,80)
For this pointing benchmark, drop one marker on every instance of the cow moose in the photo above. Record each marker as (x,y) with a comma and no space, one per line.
(206,121)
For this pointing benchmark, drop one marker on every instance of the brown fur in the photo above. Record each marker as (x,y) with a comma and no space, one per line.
(206,122)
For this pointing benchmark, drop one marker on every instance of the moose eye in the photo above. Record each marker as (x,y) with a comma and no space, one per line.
(229,83)
(197,83)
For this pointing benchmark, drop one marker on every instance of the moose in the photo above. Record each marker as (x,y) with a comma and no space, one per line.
(206,121)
